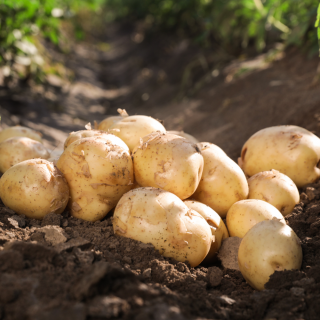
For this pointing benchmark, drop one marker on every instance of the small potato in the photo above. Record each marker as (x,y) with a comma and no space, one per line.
(222,183)
(34,188)
(168,162)
(217,226)
(105,124)
(19,131)
(132,128)
(76,135)
(245,214)
(159,217)
(18,149)
(98,172)
(184,135)
(292,150)
(268,247)
(275,188)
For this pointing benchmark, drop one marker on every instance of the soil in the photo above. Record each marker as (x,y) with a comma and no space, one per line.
(66,268)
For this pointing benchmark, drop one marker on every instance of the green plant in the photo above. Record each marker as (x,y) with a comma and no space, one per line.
(317,25)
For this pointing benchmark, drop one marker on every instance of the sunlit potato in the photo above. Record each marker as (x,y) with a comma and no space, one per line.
(76,135)
(268,247)
(108,122)
(184,135)
(275,188)
(222,183)
(19,131)
(18,149)
(217,226)
(55,155)
(159,217)
(292,150)
(132,128)
(245,214)
(34,188)
(98,172)
(169,162)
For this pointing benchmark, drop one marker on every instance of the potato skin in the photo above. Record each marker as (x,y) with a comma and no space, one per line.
(18,149)
(185,135)
(98,173)
(108,122)
(159,217)
(222,183)
(292,150)
(269,246)
(275,188)
(245,214)
(133,128)
(76,135)
(19,131)
(34,188)
(169,162)
(217,226)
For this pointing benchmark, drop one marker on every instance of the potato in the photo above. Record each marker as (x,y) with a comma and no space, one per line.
(109,122)
(217,226)
(159,217)
(131,129)
(184,135)
(76,135)
(223,183)
(98,172)
(19,131)
(275,188)
(245,214)
(292,150)
(34,188)
(269,246)
(18,149)
(168,162)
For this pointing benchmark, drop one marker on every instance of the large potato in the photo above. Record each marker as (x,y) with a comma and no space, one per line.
(291,150)
(245,214)
(132,128)
(76,135)
(159,217)
(268,247)
(19,131)
(168,162)
(184,135)
(98,172)
(217,226)
(223,182)
(18,149)
(275,188)
(34,188)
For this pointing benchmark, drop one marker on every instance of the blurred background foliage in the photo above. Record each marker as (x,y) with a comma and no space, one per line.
(232,24)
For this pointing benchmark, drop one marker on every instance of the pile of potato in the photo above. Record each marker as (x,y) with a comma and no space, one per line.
(170,190)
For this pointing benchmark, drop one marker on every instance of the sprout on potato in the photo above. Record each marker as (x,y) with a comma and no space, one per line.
(132,128)
(268,247)
(76,135)
(245,214)
(217,226)
(98,172)
(168,162)
(19,131)
(159,217)
(275,188)
(18,149)
(223,182)
(34,188)
(292,150)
